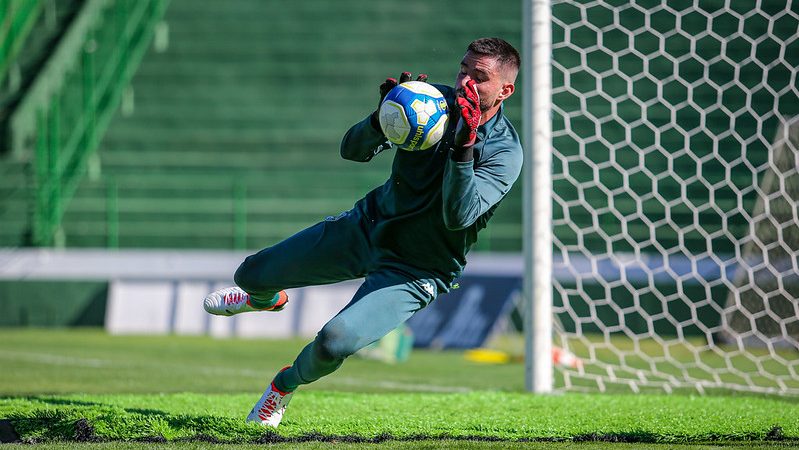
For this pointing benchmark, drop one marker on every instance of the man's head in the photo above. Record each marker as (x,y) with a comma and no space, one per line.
(493,64)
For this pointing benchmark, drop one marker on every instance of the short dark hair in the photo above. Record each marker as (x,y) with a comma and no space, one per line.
(506,55)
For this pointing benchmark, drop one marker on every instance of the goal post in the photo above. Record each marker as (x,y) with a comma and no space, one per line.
(537,196)
(661,195)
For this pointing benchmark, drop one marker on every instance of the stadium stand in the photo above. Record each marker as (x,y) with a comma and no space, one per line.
(32,27)
(231,140)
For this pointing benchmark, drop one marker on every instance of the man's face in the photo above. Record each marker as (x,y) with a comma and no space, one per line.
(492,84)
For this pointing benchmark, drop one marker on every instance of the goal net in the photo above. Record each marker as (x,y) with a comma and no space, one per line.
(675,191)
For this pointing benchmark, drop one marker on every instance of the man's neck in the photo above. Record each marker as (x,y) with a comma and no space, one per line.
(488,115)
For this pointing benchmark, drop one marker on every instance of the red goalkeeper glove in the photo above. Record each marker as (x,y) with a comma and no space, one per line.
(386,87)
(469,107)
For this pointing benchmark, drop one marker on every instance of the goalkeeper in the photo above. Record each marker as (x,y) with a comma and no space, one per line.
(408,238)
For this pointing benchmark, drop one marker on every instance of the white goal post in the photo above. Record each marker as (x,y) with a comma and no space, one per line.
(661,195)
(537,200)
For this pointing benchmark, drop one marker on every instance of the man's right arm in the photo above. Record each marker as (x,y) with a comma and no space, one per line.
(363,141)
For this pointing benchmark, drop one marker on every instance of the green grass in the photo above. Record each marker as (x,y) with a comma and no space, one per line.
(83,385)
(479,414)
(394,445)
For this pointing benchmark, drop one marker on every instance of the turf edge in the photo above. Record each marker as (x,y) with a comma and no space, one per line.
(83,431)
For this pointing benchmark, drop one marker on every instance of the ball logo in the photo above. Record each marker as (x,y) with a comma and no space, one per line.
(418,135)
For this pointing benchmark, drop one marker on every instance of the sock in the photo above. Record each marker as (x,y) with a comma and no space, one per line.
(285,385)
(313,366)
(260,303)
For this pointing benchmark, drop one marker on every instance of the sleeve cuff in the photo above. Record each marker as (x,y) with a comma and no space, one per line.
(462,154)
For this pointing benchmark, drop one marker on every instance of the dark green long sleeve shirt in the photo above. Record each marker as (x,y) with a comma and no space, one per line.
(425,218)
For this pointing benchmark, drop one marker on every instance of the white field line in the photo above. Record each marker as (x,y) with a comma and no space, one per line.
(333,381)
(56,360)
(396,386)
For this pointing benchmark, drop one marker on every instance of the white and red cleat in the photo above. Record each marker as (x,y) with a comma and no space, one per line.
(270,408)
(233,300)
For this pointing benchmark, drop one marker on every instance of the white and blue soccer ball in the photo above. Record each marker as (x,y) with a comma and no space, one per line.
(413,116)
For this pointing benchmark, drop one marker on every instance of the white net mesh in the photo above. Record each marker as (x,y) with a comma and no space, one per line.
(676,225)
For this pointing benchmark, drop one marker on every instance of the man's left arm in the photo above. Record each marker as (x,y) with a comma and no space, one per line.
(470,189)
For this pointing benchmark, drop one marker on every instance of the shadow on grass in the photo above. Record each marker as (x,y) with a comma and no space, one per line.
(53,400)
(50,400)
(7,433)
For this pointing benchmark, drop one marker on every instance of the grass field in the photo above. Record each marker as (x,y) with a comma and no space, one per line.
(183,392)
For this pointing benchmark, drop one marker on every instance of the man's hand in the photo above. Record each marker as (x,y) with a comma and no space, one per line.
(386,87)
(469,108)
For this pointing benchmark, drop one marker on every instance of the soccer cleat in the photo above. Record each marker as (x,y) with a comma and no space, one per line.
(233,300)
(269,410)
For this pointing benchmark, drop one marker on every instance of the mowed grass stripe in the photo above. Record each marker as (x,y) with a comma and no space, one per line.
(66,361)
(320,415)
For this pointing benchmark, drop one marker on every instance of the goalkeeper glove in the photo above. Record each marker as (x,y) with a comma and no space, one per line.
(469,108)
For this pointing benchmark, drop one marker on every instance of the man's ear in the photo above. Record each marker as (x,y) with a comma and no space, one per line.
(507,90)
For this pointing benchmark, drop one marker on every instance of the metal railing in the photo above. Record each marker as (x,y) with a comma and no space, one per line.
(237,216)
(59,122)
(17,18)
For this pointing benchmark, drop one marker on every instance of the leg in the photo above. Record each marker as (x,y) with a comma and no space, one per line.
(385,300)
(333,250)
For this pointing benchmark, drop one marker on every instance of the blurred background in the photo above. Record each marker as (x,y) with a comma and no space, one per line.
(220,126)
(150,145)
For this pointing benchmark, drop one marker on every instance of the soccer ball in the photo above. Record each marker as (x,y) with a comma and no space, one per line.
(413,116)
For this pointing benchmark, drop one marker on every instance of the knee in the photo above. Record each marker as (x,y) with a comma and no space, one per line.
(244,275)
(336,341)
(252,275)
